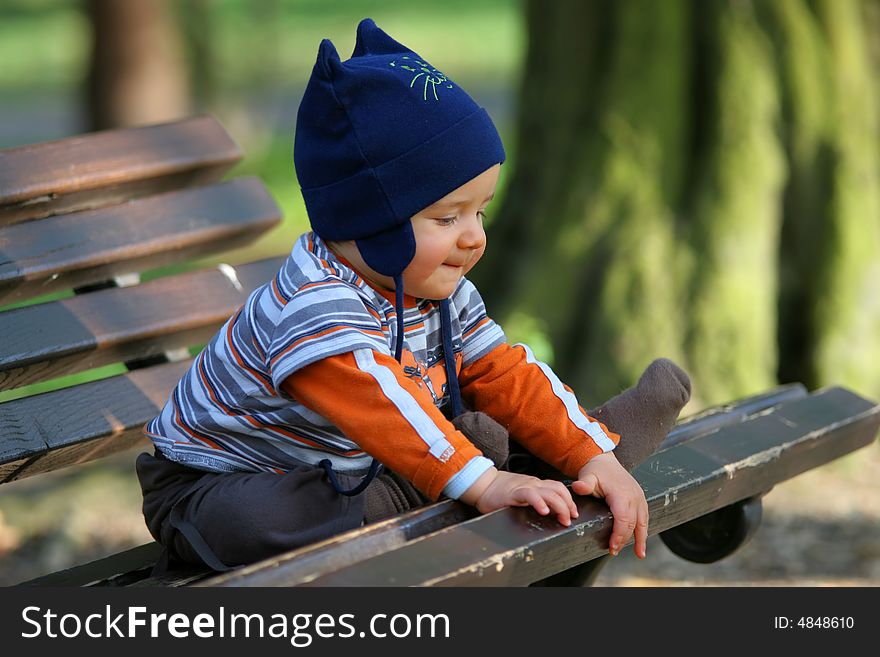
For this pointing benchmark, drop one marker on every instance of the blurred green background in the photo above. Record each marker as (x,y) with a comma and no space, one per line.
(246,63)
(692,179)
(258,61)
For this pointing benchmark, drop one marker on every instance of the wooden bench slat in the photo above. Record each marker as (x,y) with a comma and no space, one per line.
(111,166)
(81,423)
(315,561)
(135,563)
(357,545)
(516,546)
(70,250)
(717,417)
(120,324)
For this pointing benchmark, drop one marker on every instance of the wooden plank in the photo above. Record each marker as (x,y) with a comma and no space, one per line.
(112,166)
(342,549)
(346,549)
(516,546)
(70,250)
(81,423)
(312,562)
(718,417)
(358,545)
(123,568)
(120,324)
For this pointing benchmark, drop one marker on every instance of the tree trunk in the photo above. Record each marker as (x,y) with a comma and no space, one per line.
(735,210)
(587,240)
(695,180)
(137,74)
(805,81)
(198,33)
(846,310)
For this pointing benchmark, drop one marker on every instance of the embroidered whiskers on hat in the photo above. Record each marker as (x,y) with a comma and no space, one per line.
(380,137)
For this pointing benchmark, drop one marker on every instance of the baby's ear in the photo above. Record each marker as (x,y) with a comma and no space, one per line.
(373,41)
(328,59)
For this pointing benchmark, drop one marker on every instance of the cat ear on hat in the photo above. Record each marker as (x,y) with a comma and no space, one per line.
(328,59)
(373,41)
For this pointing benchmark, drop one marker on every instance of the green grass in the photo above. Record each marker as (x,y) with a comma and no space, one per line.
(473,40)
(95,374)
(45,45)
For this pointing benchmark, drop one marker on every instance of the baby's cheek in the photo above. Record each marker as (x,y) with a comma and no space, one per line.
(475,260)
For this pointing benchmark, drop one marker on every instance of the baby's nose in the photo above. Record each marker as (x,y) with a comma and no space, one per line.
(473,236)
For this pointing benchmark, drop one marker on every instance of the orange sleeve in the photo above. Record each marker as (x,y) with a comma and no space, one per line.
(540,412)
(367,395)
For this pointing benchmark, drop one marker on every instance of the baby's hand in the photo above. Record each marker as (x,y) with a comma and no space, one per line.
(603,476)
(498,489)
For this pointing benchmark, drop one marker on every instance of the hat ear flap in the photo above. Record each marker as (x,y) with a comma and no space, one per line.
(328,59)
(373,41)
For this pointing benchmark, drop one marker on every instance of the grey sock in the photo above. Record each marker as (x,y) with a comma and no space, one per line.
(645,413)
(486,434)
(388,495)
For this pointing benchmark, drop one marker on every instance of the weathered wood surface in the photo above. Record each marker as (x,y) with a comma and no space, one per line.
(108,167)
(119,569)
(73,425)
(311,562)
(66,251)
(120,324)
(351,547)
(690,479)
(729,439)
(717,417)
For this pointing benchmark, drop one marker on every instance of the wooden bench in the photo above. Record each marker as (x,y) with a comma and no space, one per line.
(84,217)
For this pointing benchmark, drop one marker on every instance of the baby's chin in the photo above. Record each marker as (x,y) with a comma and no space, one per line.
(436,291)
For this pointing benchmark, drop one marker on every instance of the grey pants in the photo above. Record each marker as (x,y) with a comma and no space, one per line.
(230,519)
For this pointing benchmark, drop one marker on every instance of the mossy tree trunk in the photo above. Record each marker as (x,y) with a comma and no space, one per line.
(696,180)
(734,207)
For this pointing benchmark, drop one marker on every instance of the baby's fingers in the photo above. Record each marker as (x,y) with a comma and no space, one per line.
(562,490)
(642,532)
(544,500)
(586,486)
(561,503)
(532,497)
(624,523)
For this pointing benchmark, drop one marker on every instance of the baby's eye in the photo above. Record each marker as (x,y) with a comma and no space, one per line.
(445,221)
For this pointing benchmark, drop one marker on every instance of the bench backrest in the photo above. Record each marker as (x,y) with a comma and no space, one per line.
(81,218)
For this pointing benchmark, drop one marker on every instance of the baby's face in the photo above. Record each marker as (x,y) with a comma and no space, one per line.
(449,238)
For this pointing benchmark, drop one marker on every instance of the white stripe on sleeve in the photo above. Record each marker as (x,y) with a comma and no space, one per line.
(581,421)
(430,433)
(466,477)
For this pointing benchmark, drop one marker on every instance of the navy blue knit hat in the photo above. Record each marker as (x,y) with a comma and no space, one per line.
(380,137)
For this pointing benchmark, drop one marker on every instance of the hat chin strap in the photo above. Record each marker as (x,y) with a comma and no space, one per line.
(398,308)
(449,357)
(446,335)
(451,381)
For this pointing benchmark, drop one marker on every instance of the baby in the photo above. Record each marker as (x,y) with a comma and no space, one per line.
(366,377)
